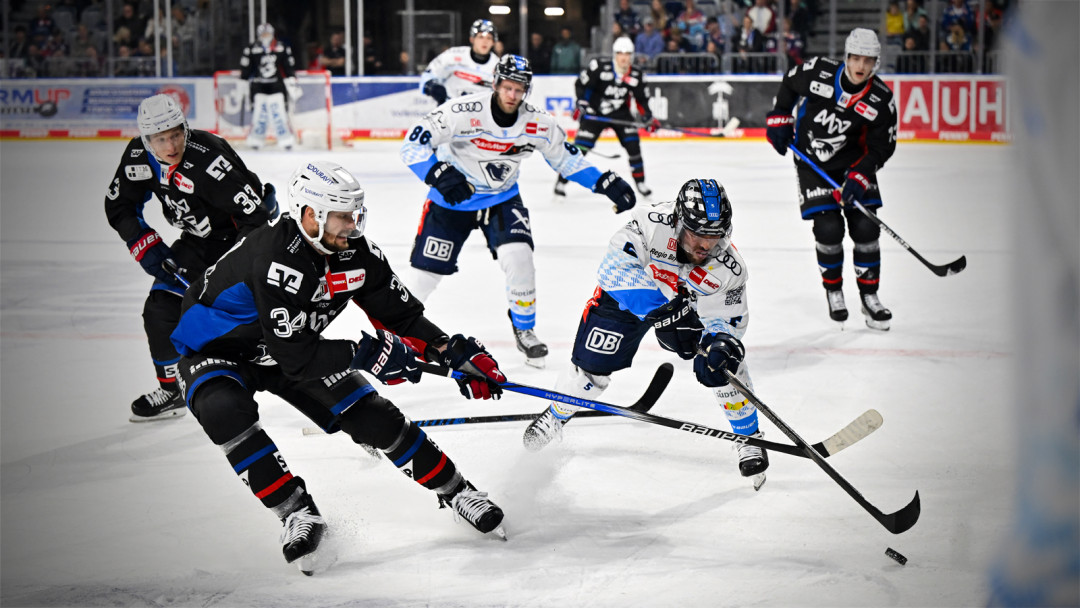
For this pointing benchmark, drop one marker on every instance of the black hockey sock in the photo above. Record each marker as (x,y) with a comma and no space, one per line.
(830,260)
(257,462)
(420,459)
(867,260)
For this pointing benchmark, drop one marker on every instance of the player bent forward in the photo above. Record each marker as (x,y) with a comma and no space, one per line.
(212,197)
(672,268)
(253,323)
(470,150)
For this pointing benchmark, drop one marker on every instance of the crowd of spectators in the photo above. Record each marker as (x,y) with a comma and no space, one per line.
(908,31)
(72,40)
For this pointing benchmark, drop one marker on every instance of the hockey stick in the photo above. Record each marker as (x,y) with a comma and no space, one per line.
(862,426)
(942,271)
(170,267)
(726,131)
(643,404)
(897,522)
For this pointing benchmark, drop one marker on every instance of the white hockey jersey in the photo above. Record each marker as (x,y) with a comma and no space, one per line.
(464,133)
(640,271)
(455,69)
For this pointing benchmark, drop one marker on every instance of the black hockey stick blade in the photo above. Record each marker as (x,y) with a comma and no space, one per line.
(950,268)
(644,403)
(897,522)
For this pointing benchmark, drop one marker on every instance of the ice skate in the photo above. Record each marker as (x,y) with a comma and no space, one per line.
(474,507)
(541,431)
(560,188)
(753,461)
(303,531)
(643,189)
(158,405)
(877,316)
(837,308)
(534,349)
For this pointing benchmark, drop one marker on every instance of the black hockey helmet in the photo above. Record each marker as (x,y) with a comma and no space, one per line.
(516,68)
(703,208)
(483,26)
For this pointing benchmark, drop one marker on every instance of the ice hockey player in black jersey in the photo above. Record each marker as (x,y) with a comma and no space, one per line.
(845,121)
(206,191)
(606,88)
(253,322)
(268,69)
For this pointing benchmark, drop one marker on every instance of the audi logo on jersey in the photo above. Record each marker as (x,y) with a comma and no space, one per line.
(473,106)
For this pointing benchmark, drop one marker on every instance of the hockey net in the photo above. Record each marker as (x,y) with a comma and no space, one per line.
(310,115)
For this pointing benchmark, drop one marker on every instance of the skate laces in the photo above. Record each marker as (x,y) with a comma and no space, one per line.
(159,397)
(527,337)
(470,504)
(298,525)
(750,452)
(872,302)
(548,425)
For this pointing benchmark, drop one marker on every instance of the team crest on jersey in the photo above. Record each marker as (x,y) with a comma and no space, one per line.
(138,173)
(184,184)
(498,171)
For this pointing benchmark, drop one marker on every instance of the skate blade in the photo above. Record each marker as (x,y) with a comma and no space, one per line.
(318,561)
(877,325)
(176,413)
(500,532)
(759,480)
(537,362)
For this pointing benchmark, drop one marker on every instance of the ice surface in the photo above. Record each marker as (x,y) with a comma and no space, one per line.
(97,511)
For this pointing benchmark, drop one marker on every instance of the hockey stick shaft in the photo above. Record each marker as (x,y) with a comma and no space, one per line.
(897,522)
(629,123)
(679,425)
(951,268)
(643,404)
(170,266)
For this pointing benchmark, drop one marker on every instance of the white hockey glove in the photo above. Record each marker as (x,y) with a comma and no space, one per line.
(293,89)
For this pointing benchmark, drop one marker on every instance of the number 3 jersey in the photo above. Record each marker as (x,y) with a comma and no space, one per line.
(463,132)
(839,125)
(210,193)
(641,272)
(270,297)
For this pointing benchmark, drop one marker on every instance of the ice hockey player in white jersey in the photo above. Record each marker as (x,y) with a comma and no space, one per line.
(469,150)
(672,268)
(463,70)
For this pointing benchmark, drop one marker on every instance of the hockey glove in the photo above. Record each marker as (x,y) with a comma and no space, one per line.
(149,250)
(855,186)
(436,91)
(652,123)
(270,199)
(677,326)
(582,109)
(293,90)
(482,374)
(717,353)
(780,130)
(387,358)
(450,183)
(616,189)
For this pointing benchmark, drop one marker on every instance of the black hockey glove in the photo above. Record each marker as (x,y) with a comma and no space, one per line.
(582,110)
(780,130)
(387,358)
(616,189)
(149,250)
(450,183)
(717,353)
(651,123)
(482,374)
(855,186)
(677,326)
(436,91)
(270,199)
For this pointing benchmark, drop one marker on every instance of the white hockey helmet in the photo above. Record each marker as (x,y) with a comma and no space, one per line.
(622,45)
(159,113)
(326,187)
(264,33)
(862,41)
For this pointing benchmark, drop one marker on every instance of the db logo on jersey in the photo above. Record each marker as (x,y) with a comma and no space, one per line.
(672,245)
(603,341)
(184,184)
(438,249)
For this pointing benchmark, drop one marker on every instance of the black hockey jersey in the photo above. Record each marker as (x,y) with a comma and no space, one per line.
(839,126)
(210,193)
(267,68)
(610,94)
(270,297)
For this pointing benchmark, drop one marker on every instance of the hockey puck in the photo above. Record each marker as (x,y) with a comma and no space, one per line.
(894,555)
